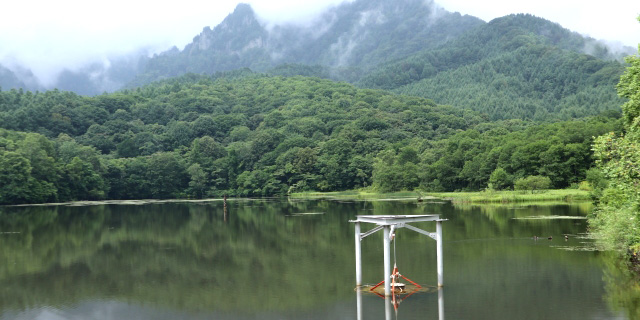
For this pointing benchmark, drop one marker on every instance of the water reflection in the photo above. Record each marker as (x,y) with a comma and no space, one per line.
(272,259)
(392,304)
(622,286)
(178,255)
(441,303)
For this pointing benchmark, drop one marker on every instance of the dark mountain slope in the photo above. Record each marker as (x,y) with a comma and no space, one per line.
(518,66)
(91,79)
(8,79)
(23,79)
(361,34)
(533,82)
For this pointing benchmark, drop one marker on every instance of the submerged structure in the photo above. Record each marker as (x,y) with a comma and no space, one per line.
(389,224)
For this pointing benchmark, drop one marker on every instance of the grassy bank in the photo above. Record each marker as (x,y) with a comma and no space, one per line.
(360,195)
(466,197)
(513,196)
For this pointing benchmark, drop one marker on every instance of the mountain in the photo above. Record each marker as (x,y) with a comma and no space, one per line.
(100,76)
(8,79)
(360,34)
(517,66)
(514,67)
(18,79)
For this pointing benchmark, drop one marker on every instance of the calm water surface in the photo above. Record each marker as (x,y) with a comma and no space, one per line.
(283,259)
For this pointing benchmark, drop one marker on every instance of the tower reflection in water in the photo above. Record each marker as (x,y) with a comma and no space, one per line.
(390,304)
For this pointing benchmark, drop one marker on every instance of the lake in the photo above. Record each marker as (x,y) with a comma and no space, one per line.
(290,259)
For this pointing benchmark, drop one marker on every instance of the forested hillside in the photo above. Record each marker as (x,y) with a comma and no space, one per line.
(502,152)
(495,90)
(615,220)
(247,134)
(349,39)
(515,67)
(194,137)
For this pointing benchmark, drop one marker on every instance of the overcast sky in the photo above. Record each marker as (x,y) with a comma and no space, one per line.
(46,35)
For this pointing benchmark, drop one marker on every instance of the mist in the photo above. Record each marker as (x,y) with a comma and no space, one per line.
(48,39)
(42,40)
(614,21)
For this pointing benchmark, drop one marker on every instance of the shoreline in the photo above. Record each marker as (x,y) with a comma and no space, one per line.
(558,195)
(564,195)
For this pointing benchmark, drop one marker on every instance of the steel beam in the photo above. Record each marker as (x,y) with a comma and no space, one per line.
(439,252)
(430,234)
(387,261)
(389,220)
(358,256)
(370,232)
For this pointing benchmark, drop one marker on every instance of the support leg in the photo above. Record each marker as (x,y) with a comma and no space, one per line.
(359,303)
(440,304)
(387,261)
(439,252)
(358,256)
(388,315)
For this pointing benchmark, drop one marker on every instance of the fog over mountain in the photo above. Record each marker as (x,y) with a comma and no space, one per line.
(346,38)
(83,39)
(351,39)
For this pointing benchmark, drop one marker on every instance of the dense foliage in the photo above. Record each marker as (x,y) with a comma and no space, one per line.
(515,67)
(616,220)
(495,155)
(246,134)
(196,137)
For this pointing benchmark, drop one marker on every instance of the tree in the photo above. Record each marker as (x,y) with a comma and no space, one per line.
(15,174)
(395,172)
(629,87)
(205,151)
(41,152)
(617,218)
(532,183)
(166,175)
(84,183)
(500,179)
(199,179)
(179,133)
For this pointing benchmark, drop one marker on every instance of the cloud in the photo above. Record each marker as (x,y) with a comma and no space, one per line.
(49,36)
(614,20)
(291,11)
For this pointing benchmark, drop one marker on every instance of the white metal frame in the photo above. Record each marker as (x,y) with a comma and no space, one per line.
(389,223)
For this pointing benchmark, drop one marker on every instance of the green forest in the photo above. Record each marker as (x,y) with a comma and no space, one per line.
(514,67)
(248,134)
(617,155)
(195,136)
